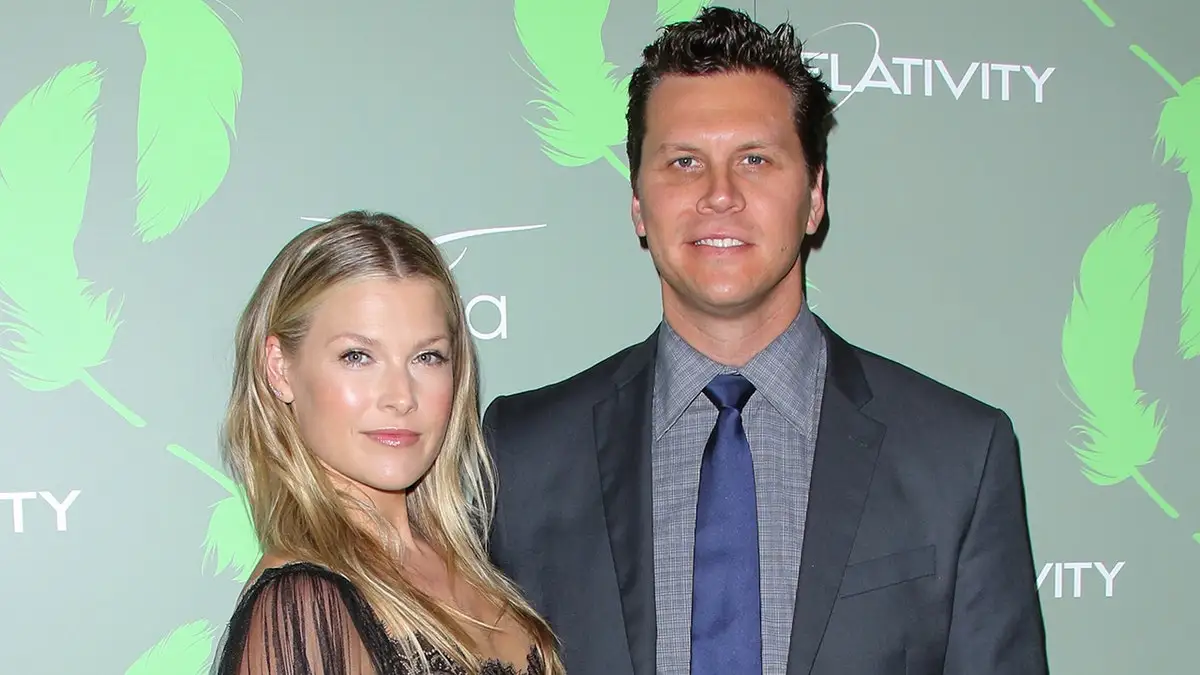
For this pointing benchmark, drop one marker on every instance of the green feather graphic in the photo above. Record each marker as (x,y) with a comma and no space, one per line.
(58,326)
(231,541)
(584,104)
(184,651)
(1178,135)
(674,11)
(191,86)
(1100,341)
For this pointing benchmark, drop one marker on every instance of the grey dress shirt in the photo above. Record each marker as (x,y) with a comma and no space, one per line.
(781,425)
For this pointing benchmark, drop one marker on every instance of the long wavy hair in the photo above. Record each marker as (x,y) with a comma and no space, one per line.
(300,514)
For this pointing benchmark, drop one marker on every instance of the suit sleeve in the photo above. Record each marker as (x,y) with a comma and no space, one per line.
(996,627)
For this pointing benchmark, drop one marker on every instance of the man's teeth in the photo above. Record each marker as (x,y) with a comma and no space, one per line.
(721,243)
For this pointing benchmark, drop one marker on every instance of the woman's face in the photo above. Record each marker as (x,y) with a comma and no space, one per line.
(371,384)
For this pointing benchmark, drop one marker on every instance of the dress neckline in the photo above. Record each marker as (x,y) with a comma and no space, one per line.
(489,666)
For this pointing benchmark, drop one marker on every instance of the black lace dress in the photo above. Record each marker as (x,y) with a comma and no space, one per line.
(304,619)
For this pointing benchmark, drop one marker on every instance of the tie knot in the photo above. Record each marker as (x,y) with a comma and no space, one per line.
(729,391)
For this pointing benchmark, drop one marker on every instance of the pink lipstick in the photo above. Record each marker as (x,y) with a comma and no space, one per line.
(394,438)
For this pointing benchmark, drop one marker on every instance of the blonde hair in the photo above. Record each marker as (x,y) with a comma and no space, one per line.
(297,510)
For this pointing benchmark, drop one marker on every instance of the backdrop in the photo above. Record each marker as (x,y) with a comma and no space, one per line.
(1012,212)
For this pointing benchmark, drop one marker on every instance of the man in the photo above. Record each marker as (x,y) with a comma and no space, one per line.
(744,491)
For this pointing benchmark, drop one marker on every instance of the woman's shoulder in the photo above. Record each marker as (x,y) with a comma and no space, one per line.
(302,591)
(274,566)
(280,583)
(299,607)
(271,570)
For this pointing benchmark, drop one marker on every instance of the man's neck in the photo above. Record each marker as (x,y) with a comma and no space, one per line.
(732,340)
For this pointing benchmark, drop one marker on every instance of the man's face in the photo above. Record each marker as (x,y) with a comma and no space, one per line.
(723,196)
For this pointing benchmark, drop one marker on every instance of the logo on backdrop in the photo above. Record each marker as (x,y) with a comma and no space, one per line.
(1120,424)
(849,58)
(1080,579)
(38,510)
(484,324)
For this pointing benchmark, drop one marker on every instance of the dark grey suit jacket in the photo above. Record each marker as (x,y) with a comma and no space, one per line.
(916,555)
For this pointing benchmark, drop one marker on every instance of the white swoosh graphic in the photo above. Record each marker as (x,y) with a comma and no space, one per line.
(462,234)
(874,33)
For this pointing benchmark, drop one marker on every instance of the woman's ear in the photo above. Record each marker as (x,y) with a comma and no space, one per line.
(277,367)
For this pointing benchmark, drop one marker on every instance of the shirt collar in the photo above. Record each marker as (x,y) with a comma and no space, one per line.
(781,372)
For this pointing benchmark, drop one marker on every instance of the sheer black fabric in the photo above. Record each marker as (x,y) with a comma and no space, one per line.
(303,619)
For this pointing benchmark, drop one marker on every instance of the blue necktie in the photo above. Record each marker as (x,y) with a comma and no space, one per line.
(726,624)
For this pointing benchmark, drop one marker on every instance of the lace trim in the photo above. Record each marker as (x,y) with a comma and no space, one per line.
(440,664)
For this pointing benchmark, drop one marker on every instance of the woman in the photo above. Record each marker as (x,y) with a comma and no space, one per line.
(354,426)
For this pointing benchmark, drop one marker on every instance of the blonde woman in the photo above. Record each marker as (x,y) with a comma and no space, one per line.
(354,426)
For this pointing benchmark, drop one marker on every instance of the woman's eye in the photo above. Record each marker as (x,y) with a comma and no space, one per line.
(432,358)
(355,357)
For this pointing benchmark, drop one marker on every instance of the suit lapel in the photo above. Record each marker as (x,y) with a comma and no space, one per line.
(622,427)
(847,448)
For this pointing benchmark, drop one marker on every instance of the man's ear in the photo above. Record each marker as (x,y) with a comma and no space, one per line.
(635,213)
(816,209)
